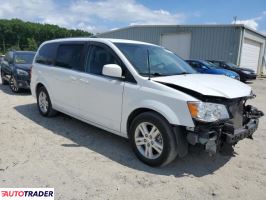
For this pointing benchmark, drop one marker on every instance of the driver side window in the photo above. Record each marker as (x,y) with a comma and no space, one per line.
(98,57)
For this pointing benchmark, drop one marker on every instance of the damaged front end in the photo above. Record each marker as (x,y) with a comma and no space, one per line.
(242,123)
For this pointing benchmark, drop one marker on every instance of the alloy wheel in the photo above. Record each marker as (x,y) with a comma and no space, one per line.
(149,141)
(13,84)
(43,102)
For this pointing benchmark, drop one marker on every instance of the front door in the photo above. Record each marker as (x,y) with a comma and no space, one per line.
(102,96)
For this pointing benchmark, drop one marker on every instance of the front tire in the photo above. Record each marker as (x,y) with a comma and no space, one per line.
(152,139)
(44,103)
(13,84)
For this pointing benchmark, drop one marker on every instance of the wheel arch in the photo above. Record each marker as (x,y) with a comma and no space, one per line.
(178,130)
(164,112)
(135,113)
(41,84)
(38,86)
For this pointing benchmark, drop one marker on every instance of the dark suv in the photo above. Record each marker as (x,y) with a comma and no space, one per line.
(244,73)
(15,69)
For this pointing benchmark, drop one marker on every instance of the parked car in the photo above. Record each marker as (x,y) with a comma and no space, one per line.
(206,67)
(142,92)
(1,60)
(244,73)
(15,69)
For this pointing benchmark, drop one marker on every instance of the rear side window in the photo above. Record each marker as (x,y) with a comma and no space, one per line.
(70,56)
(195,65)
(216,63)
(46,55)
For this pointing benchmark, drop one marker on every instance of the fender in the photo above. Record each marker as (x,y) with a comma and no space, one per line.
(161,108)
(156,106)
(42,81)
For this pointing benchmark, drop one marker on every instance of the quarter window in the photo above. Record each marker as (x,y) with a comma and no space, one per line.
(70,56)
(97,58)
(46,55)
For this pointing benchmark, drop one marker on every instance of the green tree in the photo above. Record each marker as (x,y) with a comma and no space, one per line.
(14,48)
(17,34)
(32,44)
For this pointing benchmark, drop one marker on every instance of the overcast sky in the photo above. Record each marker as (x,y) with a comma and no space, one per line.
(102,15)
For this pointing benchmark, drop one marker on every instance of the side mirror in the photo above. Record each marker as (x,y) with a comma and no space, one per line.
(112,70)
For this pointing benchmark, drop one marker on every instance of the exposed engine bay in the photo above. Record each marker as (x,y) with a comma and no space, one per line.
(243,122)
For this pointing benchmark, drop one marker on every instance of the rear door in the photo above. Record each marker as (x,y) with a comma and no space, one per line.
(65,75)
(101,100)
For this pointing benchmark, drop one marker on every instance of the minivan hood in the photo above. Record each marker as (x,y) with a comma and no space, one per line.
(208,85)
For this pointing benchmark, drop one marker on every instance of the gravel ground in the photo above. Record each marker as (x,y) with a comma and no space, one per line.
(83,162)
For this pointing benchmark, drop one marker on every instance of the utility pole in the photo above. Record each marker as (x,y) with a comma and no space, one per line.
(4,45)
(235,18)
(18,41)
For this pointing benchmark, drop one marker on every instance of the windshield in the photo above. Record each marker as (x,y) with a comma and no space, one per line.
(24,58)
(232,65)
(210,65)
(162,62)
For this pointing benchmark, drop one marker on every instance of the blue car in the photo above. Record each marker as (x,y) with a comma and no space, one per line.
(206,67)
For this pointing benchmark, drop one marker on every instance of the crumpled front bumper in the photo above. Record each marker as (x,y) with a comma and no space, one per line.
(244,132)
(212,136)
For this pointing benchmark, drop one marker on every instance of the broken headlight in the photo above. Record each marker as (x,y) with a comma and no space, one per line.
(207,112)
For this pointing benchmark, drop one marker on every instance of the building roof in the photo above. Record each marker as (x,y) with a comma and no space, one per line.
(188,26)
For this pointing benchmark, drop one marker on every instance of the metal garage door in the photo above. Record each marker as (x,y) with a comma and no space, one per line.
(250,54)
(178,43)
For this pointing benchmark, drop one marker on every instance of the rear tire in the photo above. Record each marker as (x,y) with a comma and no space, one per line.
(44,103)
(4,82)
(152,139)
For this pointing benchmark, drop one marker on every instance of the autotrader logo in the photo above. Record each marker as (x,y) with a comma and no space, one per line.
(26,193)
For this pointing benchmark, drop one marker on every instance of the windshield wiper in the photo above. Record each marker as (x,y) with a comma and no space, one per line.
(152,74)
(181,73)
(156,74)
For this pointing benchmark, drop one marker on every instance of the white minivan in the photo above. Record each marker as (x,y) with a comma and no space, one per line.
(142,92)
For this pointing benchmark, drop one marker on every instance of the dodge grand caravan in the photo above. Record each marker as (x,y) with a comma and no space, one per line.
(142,92)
